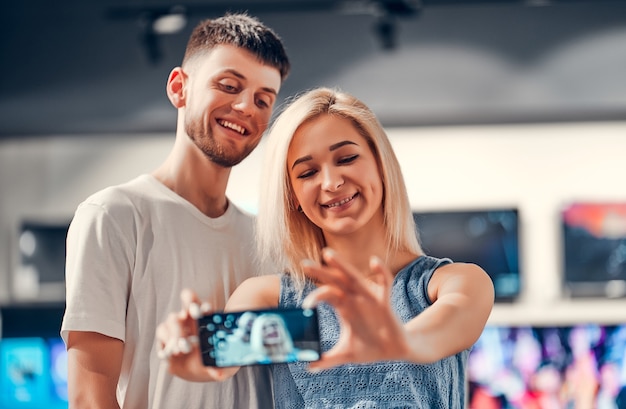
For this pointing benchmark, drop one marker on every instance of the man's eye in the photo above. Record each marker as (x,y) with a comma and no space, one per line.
(230,88)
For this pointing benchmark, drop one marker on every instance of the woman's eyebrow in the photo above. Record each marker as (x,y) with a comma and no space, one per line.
(340,144)
(300,160)
(331,148)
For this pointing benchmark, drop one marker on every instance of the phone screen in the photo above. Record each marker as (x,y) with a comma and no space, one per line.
(259,337)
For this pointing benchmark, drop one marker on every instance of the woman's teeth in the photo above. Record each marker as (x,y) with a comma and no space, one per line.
(344,201)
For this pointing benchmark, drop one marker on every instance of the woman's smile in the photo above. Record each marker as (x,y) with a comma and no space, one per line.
(340,202)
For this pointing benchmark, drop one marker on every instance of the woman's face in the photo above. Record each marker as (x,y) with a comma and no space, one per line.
(335,176)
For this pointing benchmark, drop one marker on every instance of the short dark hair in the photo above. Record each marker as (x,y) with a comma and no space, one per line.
(243,31)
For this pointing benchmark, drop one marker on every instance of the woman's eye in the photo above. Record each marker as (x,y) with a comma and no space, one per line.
(348,159)
(306,174)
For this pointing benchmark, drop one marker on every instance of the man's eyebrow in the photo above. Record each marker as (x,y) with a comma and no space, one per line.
(270,90)
(242,77)
(332,147)
(234,72)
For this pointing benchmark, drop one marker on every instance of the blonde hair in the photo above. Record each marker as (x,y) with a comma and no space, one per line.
(285,235)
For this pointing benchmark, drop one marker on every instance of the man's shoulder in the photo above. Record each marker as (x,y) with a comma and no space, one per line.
(123,201)
(123,192)
(241,212)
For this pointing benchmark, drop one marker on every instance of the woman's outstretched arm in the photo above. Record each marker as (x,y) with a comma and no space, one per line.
(462,296)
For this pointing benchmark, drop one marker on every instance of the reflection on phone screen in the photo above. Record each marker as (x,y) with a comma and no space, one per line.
(259,337)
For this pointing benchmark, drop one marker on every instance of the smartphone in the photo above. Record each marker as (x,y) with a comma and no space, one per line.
(259,337)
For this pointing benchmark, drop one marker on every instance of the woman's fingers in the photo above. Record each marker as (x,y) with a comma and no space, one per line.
(362,302)
(329,360)
(350,277)
(325,274)
(175,336)
(341,274)
(177,342)
(381,276)
(167,333)
(192,305)
(324,293)
(178,333)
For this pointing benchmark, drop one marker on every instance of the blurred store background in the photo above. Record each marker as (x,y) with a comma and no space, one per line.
(509,119)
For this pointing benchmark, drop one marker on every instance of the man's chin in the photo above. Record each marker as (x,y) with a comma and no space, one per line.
(223,160)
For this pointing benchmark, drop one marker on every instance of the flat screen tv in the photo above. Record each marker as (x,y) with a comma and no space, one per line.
(489,238)
(40,275)
(549,367)
(594,249)
(33,358)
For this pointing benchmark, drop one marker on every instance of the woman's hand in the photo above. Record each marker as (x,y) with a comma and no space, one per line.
(177,342)
(370,330)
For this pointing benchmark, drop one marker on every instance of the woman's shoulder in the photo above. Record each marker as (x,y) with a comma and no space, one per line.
(423,264)
(256,292)
(414,279)
(293,291)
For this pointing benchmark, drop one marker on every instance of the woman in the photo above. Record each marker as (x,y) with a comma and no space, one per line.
(396,324)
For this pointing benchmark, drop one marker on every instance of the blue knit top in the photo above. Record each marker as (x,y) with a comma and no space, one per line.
(388,384)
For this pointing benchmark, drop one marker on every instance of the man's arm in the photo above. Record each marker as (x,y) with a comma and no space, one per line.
(94,364)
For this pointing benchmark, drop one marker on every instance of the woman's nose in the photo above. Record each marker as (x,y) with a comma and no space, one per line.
(332,180)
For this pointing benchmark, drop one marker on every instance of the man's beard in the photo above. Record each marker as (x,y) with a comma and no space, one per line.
(205,141)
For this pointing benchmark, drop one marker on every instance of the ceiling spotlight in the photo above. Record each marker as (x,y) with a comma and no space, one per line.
(170,23)
(157,23)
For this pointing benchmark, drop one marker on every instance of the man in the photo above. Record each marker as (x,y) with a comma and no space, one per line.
(132,248)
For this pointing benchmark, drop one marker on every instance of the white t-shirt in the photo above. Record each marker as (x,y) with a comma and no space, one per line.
(131,249)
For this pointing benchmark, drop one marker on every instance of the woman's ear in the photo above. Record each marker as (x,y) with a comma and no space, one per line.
(176,87)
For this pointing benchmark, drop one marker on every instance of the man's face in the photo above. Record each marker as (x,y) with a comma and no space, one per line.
(229,97)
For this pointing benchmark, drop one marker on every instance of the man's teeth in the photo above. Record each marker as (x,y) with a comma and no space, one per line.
(233,126)
(346,200)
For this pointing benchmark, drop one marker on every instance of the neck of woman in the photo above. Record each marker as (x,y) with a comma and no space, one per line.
(358,251)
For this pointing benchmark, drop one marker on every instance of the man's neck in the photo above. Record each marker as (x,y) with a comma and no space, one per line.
(192,176)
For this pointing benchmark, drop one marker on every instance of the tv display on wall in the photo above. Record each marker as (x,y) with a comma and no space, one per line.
(549,367)
(40,273)
(594,249)
(33,358)
(33,373)
(486,237)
